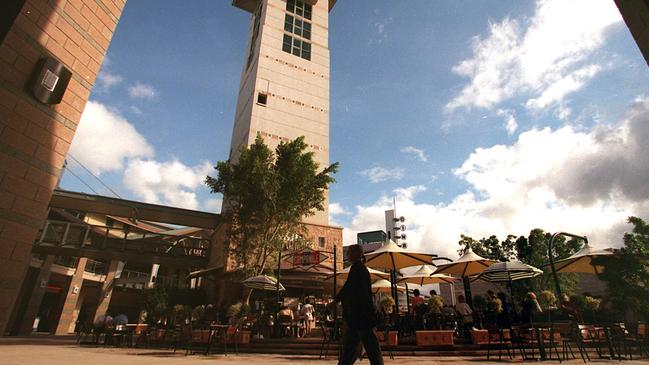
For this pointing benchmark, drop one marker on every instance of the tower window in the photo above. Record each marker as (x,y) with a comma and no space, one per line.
(321,242)
(298,7)
(297,47)
(262,98)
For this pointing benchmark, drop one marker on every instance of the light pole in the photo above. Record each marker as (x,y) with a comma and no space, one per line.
(554,271)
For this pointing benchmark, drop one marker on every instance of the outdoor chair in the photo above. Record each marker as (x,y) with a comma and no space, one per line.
(524,338)
(549,338)
(184,338)
(285,324)
(499,339)
(642,338)
(590,336)
(565,330)
(328,337)
(624,343)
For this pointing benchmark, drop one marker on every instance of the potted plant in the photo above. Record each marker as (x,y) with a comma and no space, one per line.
(386,306)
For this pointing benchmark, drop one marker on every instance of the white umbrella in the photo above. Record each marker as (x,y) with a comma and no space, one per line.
(582,261)
(468,264)
(392,257)
(262,282)
(425,275)
(384,286)
(509,271)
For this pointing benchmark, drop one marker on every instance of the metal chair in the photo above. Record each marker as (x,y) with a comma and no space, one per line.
(499,339)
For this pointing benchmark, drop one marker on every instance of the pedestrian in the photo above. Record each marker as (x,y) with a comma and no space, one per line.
(359,313)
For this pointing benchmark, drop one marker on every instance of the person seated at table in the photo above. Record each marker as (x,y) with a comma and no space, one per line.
(415,301)
(568,308)
(465,312)
(530,308)
(120,320)
(285,319)
(504,318)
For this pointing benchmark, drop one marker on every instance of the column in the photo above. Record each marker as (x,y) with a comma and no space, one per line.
(69,313)
(36,297)
(107,287)
(154,274)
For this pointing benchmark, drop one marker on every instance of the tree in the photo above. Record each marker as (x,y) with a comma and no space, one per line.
(626,273)
(532,250)
(266,196)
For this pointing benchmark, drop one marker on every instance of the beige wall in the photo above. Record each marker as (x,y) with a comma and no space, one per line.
(297,89)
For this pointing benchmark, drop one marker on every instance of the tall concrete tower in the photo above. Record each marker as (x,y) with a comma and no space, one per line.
(284,87)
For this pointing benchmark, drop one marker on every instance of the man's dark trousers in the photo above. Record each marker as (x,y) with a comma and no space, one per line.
(350,342)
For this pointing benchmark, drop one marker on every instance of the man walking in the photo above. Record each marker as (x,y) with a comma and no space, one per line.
(358,312)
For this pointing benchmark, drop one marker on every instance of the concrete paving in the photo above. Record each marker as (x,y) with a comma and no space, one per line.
(55,351)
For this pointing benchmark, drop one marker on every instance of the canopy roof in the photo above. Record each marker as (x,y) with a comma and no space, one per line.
(392,257)
(468,264)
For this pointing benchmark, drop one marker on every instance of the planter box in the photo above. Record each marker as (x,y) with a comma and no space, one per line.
(479,337)
(434,338)
(393,340)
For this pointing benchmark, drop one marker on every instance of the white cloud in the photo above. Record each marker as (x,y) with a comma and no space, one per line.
(142,91)
(510,121)
(584,182)
(546,58)
(379,174)
(170,182)
(419,153)
(106,80)
(336,209)
(104,139)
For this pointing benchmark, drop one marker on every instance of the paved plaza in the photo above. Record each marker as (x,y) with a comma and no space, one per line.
(48,350)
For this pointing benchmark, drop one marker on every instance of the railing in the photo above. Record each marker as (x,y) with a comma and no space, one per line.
(139,280)
(66,234)
(96,267)
(67,261)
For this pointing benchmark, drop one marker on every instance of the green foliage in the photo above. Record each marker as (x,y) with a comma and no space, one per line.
(155,303)
(547,299)
(494,305)
(266,195)
(627,273)
(238,310)
(436,303)
(532,250)
(387,304)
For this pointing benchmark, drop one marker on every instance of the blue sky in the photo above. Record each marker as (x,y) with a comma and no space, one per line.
(479,117)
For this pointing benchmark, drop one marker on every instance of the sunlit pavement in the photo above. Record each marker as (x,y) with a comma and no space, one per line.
(46,351)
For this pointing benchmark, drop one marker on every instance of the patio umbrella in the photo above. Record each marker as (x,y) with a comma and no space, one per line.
(374,274)
(509,271)
(582,261)
(384,286)
(262,282)
(392,257)
(425,275)
(469,264)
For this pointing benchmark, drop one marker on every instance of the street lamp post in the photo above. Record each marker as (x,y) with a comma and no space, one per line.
(554,271)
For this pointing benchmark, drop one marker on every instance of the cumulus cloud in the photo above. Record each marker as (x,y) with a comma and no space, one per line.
(106,80)
(418,153)
(104,140)
(585,182)
(378,174)
(510,121)
(170,182)
(544,58)
(335,210)
(142,91)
